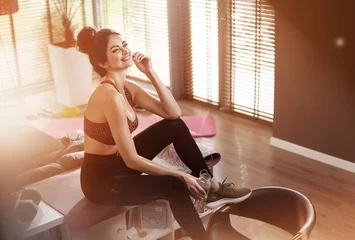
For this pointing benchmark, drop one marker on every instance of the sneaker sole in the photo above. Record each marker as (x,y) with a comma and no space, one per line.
(224,201)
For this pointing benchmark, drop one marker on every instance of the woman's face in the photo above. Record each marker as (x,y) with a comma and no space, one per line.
(118,54)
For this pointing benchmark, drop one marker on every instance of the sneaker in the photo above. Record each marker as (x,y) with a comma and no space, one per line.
(226,194)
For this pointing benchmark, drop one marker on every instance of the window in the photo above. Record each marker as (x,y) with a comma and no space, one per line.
(24,37)
(232,55)
(226,47)
(144,25)
(253,53)
(204,47)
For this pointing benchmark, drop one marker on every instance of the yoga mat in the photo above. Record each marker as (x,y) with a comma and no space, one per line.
(199,126)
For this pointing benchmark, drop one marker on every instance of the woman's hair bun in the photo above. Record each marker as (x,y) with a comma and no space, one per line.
(85,39)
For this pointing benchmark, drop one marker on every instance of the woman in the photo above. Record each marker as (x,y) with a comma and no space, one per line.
(114,161)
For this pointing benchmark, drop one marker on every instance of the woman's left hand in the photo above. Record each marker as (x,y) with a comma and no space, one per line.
(143,63)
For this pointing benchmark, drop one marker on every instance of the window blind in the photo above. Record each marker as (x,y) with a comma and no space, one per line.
(144,26)
(24,37)
(31,34)
(232,52)
(253,53)
(204,50)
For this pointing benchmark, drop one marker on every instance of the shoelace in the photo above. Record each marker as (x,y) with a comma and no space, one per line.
(229,187)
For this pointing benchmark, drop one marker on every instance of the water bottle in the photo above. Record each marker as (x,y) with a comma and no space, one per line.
(205,182)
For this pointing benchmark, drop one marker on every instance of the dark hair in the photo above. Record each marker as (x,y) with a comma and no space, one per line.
(94,44)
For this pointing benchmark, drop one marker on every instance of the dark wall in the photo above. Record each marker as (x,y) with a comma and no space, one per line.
(315,79)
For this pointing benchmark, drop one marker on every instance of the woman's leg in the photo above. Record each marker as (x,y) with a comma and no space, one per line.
(140,189)
(107,180)
(155,138)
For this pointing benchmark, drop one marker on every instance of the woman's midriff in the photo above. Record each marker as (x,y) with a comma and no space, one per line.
(95,147)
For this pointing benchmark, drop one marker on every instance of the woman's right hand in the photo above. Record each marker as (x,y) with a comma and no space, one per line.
(196,191)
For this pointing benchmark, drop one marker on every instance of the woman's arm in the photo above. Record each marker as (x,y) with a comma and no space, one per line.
(166,106)
(167,101)
(114,109)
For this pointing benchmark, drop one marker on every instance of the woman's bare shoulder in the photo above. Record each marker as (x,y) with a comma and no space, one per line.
(102,93)
(105,90)
(103,98)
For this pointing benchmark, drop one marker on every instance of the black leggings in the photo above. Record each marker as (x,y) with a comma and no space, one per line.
(105,179)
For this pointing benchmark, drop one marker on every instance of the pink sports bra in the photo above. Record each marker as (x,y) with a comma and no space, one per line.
(101,131)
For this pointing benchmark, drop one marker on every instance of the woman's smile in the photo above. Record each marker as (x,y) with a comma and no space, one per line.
(126,58)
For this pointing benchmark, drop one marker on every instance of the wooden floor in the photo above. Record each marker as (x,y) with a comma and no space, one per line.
(249,160)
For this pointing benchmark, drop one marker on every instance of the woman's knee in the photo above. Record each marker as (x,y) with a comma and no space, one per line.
(176,124)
